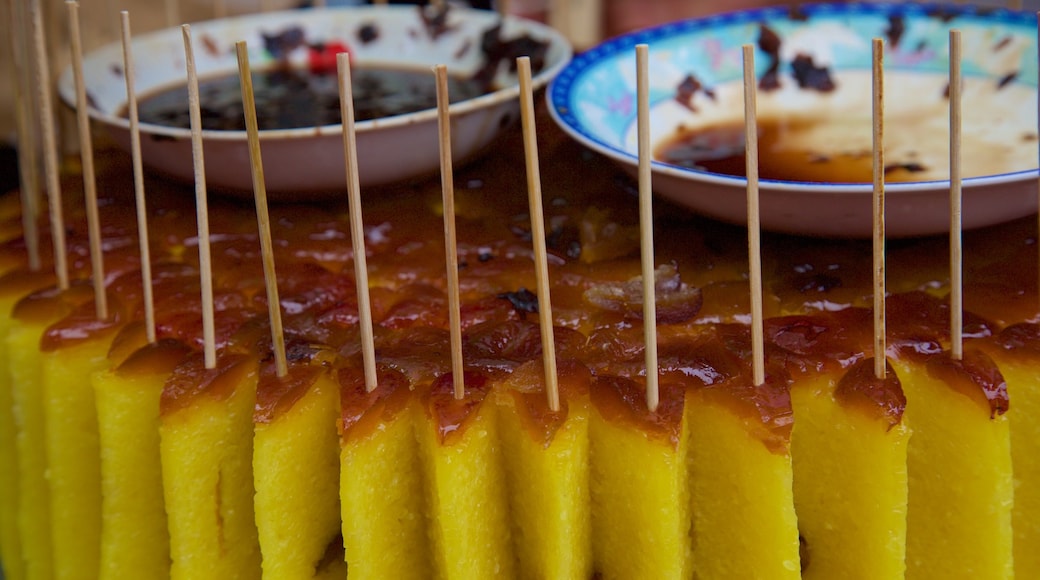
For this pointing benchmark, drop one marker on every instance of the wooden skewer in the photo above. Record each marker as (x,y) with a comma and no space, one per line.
(878,107)
(646,226)
(86,146)
(357,227)
(450,247)
(50,146)
(263,217)
(534,202)
(173,12)
(758,366)
(28,173)
(956,246)
(201,204)
(139,196)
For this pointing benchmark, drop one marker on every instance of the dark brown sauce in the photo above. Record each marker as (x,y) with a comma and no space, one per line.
(526,386)
(720,149)
(276,395)
(191,379)
(290,98)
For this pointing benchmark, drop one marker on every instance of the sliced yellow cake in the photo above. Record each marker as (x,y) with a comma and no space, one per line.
(641,521)
(134,536)
(848,447)
(381,488)
(1016,350)
(296,473)
(547,467)
(465,481)
(13,285)
(71,429)
(29,319)
(959,464)
(206,446)
(744,522)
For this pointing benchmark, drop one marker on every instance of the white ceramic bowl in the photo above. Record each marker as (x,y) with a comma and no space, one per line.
(593,99)
(308,163)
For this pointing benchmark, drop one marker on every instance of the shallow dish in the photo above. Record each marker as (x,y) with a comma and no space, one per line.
(308,163)
(695,77)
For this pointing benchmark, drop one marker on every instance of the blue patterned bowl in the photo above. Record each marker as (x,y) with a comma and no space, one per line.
(813,65)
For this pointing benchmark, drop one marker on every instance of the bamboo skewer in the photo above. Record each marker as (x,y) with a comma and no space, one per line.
(28,173)
(357,227)
(878,112)
(646,227)
(86,146)
(754,229)
(450,247)
(201,204)
(263,217)
(534,200)
(139,195)
(956,245)
(50,146)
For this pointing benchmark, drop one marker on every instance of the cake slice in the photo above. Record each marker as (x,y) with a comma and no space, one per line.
(1016,350)
(206,446)
(744,521)
(959,464)
(296,472)
(381,488)
(466,493)
(134,536)
(960,485)
(848,447)
(547,466)
(29,319)
(13,286)
(72,350)
(641,522)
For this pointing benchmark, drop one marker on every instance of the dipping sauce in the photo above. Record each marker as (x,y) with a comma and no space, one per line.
(291,98)
(826,136)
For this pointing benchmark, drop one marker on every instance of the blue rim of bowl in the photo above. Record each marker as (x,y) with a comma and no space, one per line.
(558,95)
(507,93)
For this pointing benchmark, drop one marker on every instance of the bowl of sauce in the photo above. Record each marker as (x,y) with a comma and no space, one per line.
(293,56)
(813,70)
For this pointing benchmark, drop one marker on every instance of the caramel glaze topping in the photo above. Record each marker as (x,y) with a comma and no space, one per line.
(191,379)
(975,375)
(593,251)
(1020,342)
(880,398)
(526,387)
(622,400)
(276,395)
(158,358)
(364,412)
(451,417)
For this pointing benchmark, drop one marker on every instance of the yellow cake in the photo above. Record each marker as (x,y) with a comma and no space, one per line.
(206,446)
(296,473)
(640,500)
(1014,350)
(381,487)
(134,536)
(465,482)
(547,466)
